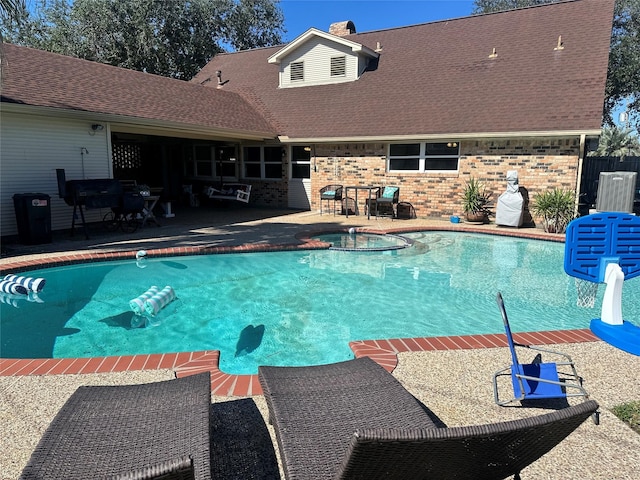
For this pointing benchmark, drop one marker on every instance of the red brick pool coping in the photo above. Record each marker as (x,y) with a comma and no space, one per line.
(384,352)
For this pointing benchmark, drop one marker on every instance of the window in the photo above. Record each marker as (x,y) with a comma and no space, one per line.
(226,161)
(338,66)
(203,161)
(424,157)
(297,71)
(300,162)
(212,161)
(263,162)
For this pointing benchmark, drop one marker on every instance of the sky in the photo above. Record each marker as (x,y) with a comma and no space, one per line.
(367,15)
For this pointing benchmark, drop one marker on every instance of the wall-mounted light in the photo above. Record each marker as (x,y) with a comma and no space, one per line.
(307,149)
(96,127)
(452,144)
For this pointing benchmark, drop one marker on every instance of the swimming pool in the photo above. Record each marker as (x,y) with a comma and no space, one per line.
(302,307)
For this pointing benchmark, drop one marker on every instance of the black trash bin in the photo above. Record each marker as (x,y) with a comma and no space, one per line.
(33,216)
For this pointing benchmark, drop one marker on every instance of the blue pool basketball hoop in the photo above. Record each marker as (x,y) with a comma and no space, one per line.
(605,248)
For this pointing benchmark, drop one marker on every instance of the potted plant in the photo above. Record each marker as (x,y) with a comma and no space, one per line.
(475,201)
(556,207)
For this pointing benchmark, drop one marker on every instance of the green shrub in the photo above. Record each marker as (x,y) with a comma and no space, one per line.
(475,198)
(556,207)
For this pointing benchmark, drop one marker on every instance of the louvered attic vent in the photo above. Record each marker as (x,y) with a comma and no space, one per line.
(297,71)
(338,66)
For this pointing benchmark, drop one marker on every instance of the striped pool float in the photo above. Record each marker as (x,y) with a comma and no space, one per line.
(137,304)
(158,301)
(32,284)
(13,288)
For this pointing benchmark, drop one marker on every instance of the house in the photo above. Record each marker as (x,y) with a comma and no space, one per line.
(425,107)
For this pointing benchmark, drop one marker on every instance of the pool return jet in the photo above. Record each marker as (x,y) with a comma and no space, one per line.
(605,248)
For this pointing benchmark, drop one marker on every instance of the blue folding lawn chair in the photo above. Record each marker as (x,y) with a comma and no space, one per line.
(537,380)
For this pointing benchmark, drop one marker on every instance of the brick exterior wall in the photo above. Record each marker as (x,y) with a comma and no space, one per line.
(269,193)
(542,163)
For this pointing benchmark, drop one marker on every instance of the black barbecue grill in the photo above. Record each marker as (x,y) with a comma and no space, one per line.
(93,193)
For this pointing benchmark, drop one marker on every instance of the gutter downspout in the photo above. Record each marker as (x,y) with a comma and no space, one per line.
(583,138)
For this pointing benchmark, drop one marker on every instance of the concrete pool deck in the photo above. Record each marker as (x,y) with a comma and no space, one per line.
(451,375)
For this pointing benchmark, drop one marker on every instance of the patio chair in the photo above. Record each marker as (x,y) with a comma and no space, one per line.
(331,193)
(387,202)
(537,380)
(353,420)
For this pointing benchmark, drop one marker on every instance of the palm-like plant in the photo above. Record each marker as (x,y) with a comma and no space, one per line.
(556,207)
(475,199)
(617,142)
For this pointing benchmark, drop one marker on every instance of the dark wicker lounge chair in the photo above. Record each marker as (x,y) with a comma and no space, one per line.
(129,431)
(165,430)
(353,420)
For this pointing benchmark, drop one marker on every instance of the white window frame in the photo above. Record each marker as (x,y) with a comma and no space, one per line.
(423,157)
(214,161)
(262,162)
(230,161)
(300,159)
(195,161)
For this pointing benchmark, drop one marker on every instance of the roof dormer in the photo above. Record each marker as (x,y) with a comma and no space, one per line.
(319,58)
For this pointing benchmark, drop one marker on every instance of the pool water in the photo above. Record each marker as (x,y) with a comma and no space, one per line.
(302,307)
(364,241)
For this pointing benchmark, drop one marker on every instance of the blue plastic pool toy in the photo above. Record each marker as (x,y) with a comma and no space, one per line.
(605,248)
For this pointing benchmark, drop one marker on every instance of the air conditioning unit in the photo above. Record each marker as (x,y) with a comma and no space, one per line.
(616,191)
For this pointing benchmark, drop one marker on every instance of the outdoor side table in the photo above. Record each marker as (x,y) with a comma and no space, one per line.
(369,188)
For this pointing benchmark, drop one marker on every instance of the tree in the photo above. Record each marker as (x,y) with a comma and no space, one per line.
(11,8)
(170,38)
(623,76)
(488,6)
(250,21)
(617,142)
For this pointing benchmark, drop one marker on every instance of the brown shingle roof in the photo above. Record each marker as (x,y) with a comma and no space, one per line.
(437,78)
(44,79)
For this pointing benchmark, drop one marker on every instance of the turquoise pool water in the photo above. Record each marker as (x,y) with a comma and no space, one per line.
(302,307)
(365,241)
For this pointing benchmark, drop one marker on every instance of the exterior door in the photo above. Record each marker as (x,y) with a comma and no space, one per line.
(300,178)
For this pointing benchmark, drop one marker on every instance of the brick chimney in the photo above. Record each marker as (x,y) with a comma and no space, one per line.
(342,29)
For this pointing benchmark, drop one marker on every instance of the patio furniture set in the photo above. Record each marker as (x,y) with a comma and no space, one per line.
(382,201)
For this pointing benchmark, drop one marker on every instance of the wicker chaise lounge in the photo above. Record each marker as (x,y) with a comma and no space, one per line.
(165,430)
(354,420)
(129,431)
